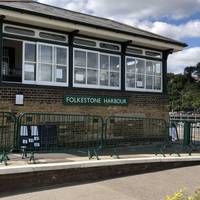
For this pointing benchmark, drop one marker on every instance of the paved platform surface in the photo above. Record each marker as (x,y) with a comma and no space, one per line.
(151,186)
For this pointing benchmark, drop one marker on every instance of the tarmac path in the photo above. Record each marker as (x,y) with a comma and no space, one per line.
(151,186)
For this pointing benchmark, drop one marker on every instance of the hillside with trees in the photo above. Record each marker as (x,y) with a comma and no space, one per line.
(184,90)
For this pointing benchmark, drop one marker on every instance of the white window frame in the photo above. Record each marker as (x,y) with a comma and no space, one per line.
(37,33)
(54,65)
(144,52)
(145,75)
(98,86)
(98,44)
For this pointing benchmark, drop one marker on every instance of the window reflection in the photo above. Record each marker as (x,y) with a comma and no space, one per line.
(100,69)
(143,74)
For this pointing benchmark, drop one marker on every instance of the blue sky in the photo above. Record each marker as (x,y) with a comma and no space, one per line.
(178,19)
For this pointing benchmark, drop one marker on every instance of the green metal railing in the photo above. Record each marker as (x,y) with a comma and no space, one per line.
(132,131)
(63,132)
(48,132)
(7,134)
(188,133)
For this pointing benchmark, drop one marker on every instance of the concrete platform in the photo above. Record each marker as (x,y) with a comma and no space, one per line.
(149,186)
(23,177)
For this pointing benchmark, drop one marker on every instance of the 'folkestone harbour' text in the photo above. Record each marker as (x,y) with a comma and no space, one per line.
(94,100)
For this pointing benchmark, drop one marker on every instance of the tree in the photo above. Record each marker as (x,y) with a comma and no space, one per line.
(184,90)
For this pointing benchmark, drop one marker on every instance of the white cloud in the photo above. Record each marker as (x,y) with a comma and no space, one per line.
(76,5)
(144,9)
(188,57)
(146,14)
(189,29)
(137,10)
(138,13)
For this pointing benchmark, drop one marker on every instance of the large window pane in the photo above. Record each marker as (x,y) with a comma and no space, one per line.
(140,66)
(61,56)
(149,67)
(45,54)
(130,65)
(29,72)
(61,74)
(114,79)
(92,60)
(157,69)
(157,83)
(45,72)
(149,82)
(80,76)
(80,58)
(104,62)
(140,81)
(92,77)
(104,78)
(114,63)
(130,80)
(30,52)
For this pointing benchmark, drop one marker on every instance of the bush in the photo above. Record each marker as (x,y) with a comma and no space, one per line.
(182,195)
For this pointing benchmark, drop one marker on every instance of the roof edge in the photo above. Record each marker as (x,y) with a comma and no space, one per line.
(91,25)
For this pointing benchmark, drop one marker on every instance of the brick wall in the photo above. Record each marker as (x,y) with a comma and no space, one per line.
(46,99)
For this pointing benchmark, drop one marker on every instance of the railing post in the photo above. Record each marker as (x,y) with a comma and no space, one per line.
(186,141)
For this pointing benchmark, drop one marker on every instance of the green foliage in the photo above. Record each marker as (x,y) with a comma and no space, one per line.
(184,93)
(182,195)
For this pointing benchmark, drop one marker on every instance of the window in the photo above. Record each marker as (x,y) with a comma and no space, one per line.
(30,62)
(97,44)
(12,60)
(96,70)
(134,51)
(144,52)
(19,31)
(83,42)
(52,36)
(109,46)
(153,54)
(35,33)
(45,64)
(143,75)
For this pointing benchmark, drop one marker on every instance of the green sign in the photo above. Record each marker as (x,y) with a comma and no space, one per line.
(95,100)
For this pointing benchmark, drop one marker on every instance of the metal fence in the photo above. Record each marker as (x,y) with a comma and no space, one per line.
(187,130)
(47,132)
(195,133)
(178,135)
(7,130)
(185,117)
(129,131)
(55,132)
(7,134)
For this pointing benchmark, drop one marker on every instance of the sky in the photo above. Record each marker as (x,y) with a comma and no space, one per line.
(177,19)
